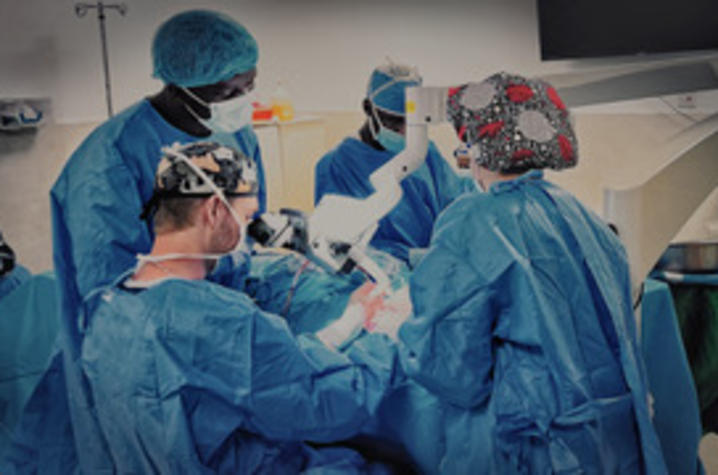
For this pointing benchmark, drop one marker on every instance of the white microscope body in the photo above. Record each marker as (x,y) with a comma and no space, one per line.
(337,233)
(341,226)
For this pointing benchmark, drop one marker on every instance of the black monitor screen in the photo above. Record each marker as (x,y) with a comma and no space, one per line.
(593,28)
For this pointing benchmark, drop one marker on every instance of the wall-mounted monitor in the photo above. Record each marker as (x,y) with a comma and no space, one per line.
(598,28)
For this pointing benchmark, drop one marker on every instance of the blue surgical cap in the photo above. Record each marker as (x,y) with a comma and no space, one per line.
(387,86)
(200,47)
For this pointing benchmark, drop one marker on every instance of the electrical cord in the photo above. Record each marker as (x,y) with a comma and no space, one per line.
(290,295)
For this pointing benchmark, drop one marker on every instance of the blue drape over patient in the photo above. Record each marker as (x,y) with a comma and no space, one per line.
(310,298)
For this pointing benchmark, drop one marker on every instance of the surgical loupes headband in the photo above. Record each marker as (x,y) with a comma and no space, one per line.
(233,172)
(172,151)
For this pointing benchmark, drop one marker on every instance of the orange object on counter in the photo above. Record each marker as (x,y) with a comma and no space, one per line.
(282,104)
(261,112)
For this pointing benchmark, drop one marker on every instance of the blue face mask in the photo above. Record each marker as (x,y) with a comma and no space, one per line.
(391,141)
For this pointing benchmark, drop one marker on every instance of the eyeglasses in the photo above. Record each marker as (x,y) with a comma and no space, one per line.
(224,90)
(391,121)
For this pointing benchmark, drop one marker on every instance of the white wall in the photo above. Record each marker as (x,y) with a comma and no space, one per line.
(322,50)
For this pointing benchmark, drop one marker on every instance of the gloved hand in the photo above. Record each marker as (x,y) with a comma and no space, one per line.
(393,311)
(361,309)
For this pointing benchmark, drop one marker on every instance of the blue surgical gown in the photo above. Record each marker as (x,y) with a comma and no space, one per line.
(523,343)
(28,328)
(431,188)
(97,232)
(98,197)
(192,377)
(13,279)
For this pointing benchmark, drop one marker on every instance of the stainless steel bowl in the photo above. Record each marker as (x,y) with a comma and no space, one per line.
(690,257)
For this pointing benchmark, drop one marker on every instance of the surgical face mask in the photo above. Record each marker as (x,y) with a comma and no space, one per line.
(389,139)
(226,116)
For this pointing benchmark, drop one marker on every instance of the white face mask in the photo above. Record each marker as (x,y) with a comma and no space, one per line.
(226,116)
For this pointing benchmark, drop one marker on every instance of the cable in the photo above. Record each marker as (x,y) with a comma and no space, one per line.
(290,295)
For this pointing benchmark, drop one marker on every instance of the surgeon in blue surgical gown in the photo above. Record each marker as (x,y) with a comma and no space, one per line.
(97,200)
(521,347)
(346,169)
(183,375)
(208,64)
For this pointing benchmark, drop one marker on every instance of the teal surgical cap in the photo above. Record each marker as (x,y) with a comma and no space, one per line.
(200,47)
(387,86)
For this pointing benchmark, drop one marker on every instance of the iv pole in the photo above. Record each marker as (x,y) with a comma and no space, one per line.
(81,11)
